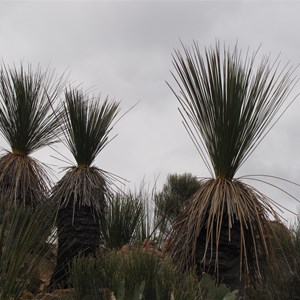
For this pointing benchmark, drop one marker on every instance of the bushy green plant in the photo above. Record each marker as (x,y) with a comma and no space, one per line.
(213,292)
(87,278)
(139,266)
(131,219)
(175,192)
(136,274)
(124,273)
(23,235)
(282,279)
(176,285)
(124,217)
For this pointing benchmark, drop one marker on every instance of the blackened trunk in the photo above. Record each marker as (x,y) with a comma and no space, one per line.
(229,251)
(78,235)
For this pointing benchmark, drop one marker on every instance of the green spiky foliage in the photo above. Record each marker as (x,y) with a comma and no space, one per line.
(136,274)
(27,124)
(23,247)
(123,219)
(228,104)
(82,193)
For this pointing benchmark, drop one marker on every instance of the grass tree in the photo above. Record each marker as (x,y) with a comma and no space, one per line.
(228,104)
(27,124)
(82,193)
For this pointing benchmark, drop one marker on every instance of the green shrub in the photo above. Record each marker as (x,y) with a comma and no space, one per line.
(282,275)
(123,273)
(136,274)
(23,235)
(124,216)
(213,292)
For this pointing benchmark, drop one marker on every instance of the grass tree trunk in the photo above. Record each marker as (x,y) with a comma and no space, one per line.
(228,256)
(78,235)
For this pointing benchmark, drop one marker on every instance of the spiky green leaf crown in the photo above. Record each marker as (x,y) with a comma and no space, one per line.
(26,101)
(227,105)
(87,125)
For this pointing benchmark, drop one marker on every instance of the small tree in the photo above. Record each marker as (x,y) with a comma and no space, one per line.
(175,193)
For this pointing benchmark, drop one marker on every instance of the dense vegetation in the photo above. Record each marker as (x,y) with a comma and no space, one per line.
(126,264)
(208,238)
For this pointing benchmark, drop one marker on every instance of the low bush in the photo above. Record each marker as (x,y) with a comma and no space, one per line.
(137,274)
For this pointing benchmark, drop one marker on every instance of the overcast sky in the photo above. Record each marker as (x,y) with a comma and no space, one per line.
(124,50)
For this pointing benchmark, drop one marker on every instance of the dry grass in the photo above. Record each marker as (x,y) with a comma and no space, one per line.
(23,180)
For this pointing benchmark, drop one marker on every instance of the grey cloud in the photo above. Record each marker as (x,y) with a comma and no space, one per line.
(124,49)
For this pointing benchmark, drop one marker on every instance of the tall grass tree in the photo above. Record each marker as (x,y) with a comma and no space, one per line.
(82,193)
(27,124)
(228,103)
